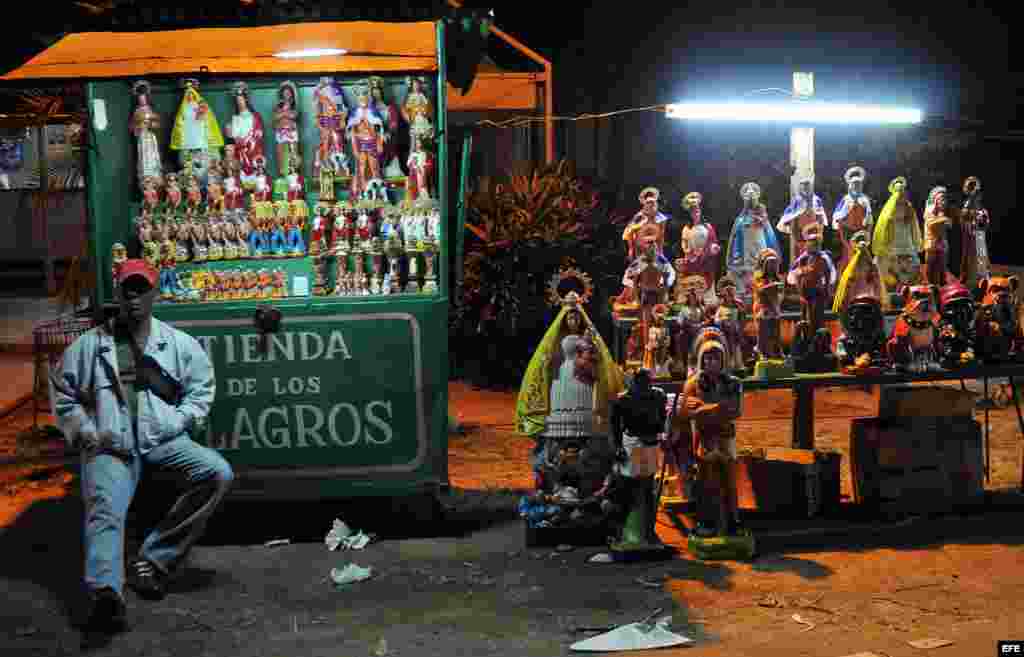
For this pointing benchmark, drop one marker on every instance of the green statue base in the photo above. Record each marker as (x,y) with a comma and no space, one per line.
(740,547)
(768,369)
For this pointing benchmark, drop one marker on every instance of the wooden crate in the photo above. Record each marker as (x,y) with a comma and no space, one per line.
(924,401)
(796,482)
(916,464)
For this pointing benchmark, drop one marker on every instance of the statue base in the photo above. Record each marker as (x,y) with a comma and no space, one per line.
(767,369)
(741,547)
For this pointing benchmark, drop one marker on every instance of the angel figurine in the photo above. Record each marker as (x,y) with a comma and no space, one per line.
(417,111)
(145,126)
(752,233)
(246,129)
(196,134)
(286,123)
(389,115)
(331,115)
(852,213)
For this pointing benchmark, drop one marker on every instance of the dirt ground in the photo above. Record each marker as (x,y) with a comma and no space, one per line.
(468,586)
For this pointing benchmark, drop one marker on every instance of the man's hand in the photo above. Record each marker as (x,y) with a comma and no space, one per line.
(87,440)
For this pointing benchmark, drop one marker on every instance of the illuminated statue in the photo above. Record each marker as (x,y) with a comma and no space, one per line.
(896,243)
(974,222)
(805,215)
(752,233)
(936,224)
(699,244)
(852,214)
(196,134)
(144,126)
(246,129)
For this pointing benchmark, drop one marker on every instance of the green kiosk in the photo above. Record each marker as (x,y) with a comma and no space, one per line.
(291,184)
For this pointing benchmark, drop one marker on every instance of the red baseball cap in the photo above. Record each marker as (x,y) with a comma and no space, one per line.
(137,267)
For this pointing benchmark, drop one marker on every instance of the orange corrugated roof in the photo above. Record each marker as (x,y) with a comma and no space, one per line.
(372,47)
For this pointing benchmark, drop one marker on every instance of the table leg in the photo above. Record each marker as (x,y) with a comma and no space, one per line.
(1020,421)
(803,416)
(987,406)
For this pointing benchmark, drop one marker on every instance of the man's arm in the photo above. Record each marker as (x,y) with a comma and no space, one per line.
(199,385)
(71,403)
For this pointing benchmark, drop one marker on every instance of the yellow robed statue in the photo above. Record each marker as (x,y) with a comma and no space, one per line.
(195,125)
(551,359)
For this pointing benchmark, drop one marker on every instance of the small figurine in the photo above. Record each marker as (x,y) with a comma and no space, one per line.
(956,326)
(861,349)
(296,184)
(852,214)
(377,267)
(279,284)
(180,230)
(144,126)
(896,243)
(230,234)
(193,195)
(752,233)
(118,254)
(647,225)
(294,244)
(395,253)
(656,344)
(265,284)
(286,123)
(222,285)
(215,191)
(699,244)
(974,222)
(936,223)
(421,169)
(860,278)
(243,230)
(317,243)
(728,317)
(418,111)
(216,243)
(252,284)
(804,216)
(996,323)
(277,234)
(168,259)
(359,282)
(196,134)
(366,136)
(200,242)
(651,276)
(234,195)
(912,345)
(689,321)
(767,307)
(389,115)
(814,276)
(331,115)
(341,232)
(246,129)
(151,193)
(342,282)
(172,194)
(363,230)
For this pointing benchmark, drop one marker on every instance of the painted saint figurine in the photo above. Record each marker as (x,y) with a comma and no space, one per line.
(896,243)
(814,276)
(956,326)
(699,244)
(913,343)
(286,123)
(118,255)
(418,111)
(852,214)
(656,344)
(752,233)
(173,195)
(647,225)
(974,222)
(389,115)
(804,216)
(689,321)
(729,318)
(768,291)
(144,126)
(421,170)
(936,225)
(331,116)
(246,129)
(196,134)
(860,278)
(365,132)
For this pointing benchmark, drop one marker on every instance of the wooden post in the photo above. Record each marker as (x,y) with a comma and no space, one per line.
(801,148)
(803,416)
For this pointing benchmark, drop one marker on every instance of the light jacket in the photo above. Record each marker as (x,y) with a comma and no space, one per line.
(90,365)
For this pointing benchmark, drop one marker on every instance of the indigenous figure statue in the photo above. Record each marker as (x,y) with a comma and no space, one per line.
(699,244)
(936,224)
(144,126)
(996,324)
(852,214)
(418,111)
(804,216)
(331,116)
(913,343)
(752,233)
(365,131)
(814,275)
(768,289)
(246,129)
(389,115)
(956,326)
(729,318)
(896,243)
(974,222)
(286,124)
(196,134)
(706,411)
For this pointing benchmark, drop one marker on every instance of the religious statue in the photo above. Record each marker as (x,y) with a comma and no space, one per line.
(118,255)
(767,307)
(199,240)
(913,343)
(331,115)
(196,134)
(286,123)
(814,275)
(647,225)
(956,326)
(699,244)
(242,231)
(707,409)
(418,111)
(172,194)
(421,170)
(276,230)
(996,323)
(145,126)
(389,115)
(689,321)
(974,222)
(230,235)
(246,129)
(896,243)
(860,278)
(852,214)
(651,277)
(180,234)
(729,318)
(656,344)
(193,195)
(804,216)
(151,194)
(936,224)
(215,234)
(366,135)
(234,194)
(752,233)
(168,259)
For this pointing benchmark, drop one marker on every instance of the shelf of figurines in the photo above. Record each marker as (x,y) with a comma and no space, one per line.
(361,249)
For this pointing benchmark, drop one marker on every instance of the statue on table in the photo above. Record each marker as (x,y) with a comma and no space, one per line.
(689,321)
(418,111)
(168,259)
(706,411)
(173,195)
(956,326)
(768,289)
(144,126)
(752,233)
(286,123)
(896,243)
(699,244)
(996,324)
(805,215)
(852,214)
(331,116)
(657,356)
(647,226)
(421,171)
(390,115)
(814,275)
(649,279)
(913,343)
(151,194)
(860,278)
(196,134)
(936,224)
(366,135)
(234,193)
(246,129)
(729,318)
(857,304)
(118,255)
(974,222)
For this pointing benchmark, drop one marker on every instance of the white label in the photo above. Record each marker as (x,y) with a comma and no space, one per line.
(300,286)
(99,114)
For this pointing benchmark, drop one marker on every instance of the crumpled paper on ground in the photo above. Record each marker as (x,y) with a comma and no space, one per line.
(341,536)
(350,574)
(634,636)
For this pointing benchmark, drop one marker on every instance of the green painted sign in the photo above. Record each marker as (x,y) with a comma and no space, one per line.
(327,390)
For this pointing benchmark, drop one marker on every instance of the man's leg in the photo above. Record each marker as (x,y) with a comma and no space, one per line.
(206,477)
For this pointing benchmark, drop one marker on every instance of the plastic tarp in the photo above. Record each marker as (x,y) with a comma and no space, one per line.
(370,46)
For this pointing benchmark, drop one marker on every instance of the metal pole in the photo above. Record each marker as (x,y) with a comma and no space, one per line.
(44,200)
(987,471)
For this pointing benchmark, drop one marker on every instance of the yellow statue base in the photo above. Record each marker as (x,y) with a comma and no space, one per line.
(767,369)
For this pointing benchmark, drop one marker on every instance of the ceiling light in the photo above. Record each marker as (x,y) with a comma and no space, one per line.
(310,52)
(795,112)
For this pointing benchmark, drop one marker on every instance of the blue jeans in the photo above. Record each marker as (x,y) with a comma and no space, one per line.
(108,485)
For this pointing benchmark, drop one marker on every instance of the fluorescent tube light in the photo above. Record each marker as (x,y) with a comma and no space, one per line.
(310,52)
(794,112)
